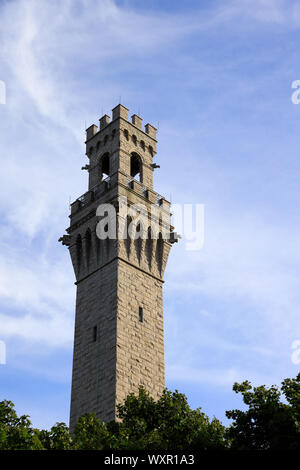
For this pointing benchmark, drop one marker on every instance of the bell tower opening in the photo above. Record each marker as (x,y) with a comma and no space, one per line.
(104,166)
(136,166)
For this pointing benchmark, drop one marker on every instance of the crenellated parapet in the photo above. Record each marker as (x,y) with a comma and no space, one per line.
(121,145)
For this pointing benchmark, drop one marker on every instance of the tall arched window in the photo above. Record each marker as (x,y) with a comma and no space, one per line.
(138,243)
(159,252)
(104,166)
(149,247)
(88,246)
(136,166)
(107,243)
(98,247)
(78,252)
(127,237)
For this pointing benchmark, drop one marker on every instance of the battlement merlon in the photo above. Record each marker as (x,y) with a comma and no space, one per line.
(151,130)
(136,121)
(120,112)
(91,131)
(103,122)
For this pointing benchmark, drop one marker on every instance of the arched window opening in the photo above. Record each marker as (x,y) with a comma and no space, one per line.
(151,150)
(98,247)
(138,242)
(136,166)
(149,247)
(113,135)
(98,145)
(159,252)
(127,237)
(142,143)
(105,139)
(104,166)
(78,252)
(125,132)
(134,139)
(91,151)
(107,243)
(88,246)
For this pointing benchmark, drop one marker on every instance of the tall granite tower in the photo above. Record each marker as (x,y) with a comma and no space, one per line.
(119,333)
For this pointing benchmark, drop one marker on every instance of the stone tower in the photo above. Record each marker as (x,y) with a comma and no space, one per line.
(119,334)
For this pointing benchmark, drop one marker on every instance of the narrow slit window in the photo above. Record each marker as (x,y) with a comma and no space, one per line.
(95,334)
(141,314)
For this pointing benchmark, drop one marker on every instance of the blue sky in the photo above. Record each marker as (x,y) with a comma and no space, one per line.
(216,76)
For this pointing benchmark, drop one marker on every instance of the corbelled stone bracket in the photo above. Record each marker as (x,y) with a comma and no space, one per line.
(174,237)
(65,240)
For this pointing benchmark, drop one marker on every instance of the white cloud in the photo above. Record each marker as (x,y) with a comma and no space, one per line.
(244,257)
(218,377)
(41,294)
(270,11)
(221,377)
(44,56)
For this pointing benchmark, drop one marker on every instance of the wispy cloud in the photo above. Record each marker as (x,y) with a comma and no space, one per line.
(42,63)
(41,295)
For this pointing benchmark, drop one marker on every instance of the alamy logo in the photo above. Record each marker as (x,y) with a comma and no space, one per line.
(136,221)
(2,352)
(296,95)
(2,92)
(296,354)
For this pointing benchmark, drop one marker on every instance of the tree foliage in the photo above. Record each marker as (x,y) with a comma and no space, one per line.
(145,424)
(16,432)
(270,421)
(167,424)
